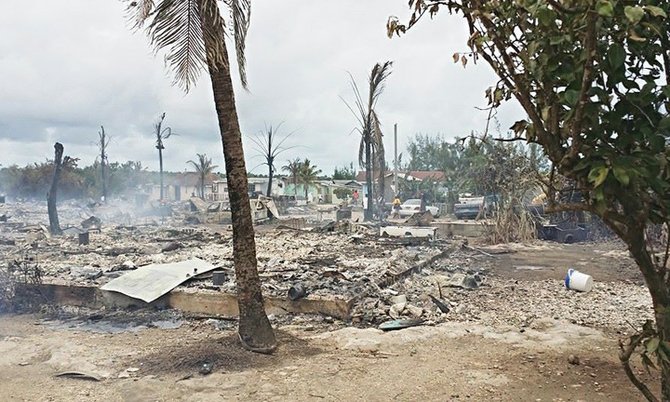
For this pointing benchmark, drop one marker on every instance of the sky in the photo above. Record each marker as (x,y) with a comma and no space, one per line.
(68,67)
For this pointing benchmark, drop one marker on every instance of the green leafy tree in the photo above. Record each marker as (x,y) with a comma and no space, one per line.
(308,174)
(293,170)
(345,173)
(593,78)
(204,167)
(371,148)
(193,33)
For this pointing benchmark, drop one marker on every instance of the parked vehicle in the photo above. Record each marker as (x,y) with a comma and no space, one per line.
(413,205)
(473,207)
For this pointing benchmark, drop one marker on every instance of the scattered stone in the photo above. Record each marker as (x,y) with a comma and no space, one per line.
(573,359)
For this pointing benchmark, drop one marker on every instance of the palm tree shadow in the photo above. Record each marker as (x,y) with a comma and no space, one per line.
(224,353)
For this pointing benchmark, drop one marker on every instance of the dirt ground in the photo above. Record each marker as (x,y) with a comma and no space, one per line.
(330,361)
(450,362)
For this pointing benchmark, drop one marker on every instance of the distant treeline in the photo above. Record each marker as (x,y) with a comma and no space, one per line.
(33,181)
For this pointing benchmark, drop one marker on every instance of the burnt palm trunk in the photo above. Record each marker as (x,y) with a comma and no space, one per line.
(104,181)
(103,162)
(160,166)
(255,330)
(54,225)
(368,176)
(270,174)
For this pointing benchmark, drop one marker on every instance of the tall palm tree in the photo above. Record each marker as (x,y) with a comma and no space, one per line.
(161,133)
(204,168)
(270,147)
(293,169)
(371,149)
(193,32)
(308,174)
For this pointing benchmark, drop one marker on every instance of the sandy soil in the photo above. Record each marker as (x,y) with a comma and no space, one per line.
(454,361)
(449,362)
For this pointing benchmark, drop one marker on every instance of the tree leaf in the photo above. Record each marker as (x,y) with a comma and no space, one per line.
(605,8)
(635,37)
(646,362)
(616,56)
(634,13)
(621,175)
(598,174)
(456,57)
(571,96)
(656,11)
(464,60)
(652,344)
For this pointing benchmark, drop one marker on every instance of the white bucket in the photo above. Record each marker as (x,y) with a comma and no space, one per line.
(579,281)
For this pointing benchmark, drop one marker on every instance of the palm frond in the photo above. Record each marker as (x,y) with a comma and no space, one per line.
(139,11)
(377,77)
(240,11)
(177,27)
(213,27)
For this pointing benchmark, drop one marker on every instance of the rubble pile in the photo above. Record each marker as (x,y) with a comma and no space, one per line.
(386,279)
(467,284)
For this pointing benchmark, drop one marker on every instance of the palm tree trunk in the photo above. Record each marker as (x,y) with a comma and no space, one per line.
(295,186)
(160,165)
(104,179)
(368,176)
(54,225)
(202,185)
(270,174)
(255,330)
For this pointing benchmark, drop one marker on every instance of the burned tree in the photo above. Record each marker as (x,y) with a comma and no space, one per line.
(269,147)
(161,133)
(54,225)
(102,144)
(371,148)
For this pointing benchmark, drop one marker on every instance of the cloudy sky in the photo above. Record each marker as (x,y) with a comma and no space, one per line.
(68,67)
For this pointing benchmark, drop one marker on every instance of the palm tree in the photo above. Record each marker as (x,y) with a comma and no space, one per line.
(194,33)
(269,148)
(371,148)
(161,133)
(293,169)
(308,174)
(204,168)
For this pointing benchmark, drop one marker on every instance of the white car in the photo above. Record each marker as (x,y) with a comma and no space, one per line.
(413,205)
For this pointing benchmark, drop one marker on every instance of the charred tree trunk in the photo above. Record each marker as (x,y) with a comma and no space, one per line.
(270,174)
(255,330)
(54,225)
(103,162)
(368,176)
(160,166)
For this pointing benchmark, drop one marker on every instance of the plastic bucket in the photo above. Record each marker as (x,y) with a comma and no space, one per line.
(578,281)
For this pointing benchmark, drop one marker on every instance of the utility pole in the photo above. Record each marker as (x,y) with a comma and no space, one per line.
(395,159)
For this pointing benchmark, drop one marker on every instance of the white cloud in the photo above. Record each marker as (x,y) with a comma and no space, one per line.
(69,67)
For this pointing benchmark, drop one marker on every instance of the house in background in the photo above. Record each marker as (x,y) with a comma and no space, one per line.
(181,186)
(406,180)
(257,185)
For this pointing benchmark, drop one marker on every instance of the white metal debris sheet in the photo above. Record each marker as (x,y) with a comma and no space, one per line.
(150,282)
